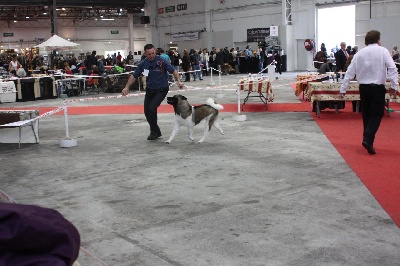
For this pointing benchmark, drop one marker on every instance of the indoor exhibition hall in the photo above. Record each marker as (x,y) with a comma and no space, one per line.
(215,132)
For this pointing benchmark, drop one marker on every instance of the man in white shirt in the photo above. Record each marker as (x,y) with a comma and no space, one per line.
(370,66)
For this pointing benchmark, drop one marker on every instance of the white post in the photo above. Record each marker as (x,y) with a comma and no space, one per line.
(219,94)
(219,81)
(66,119)
(238,93)
(67,142)
(239,117)
(212,83)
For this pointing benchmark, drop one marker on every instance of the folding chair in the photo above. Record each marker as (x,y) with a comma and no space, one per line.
(92,85)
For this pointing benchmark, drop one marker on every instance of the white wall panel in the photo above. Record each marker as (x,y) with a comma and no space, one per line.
(385,18)
(390,31)
(362,11)
(393,9)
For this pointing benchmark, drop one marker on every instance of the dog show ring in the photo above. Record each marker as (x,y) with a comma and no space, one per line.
(259,86)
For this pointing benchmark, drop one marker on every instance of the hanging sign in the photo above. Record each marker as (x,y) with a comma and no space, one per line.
(181,7)
(190,36)
(257,34)
(169,9)
(309,44)
(274,31)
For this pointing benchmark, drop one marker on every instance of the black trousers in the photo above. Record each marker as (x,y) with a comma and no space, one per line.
(278,68)
(373,105)
(248,64)
(152,101)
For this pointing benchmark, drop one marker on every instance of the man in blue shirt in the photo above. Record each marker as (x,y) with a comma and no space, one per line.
(156,70)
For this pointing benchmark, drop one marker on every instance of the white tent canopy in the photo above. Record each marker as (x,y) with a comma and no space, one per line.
(58,43)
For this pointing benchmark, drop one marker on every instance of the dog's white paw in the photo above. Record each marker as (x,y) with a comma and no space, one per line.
(191,138)
(201,141)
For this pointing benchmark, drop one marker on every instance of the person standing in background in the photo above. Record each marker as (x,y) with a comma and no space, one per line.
(249,58)
(204,57)
(260,55)
(341,56)
(14,65)
(195,62)
(129,58)
(278,62)
(370,65)
(119,58)
(186,65)
(395,51)
(114,59)
(91,61)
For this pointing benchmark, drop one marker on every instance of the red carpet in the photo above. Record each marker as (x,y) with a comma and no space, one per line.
(165,108)
(380,173)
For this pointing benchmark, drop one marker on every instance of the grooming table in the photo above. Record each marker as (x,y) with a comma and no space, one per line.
(20,119)
(322,91)
(259,86)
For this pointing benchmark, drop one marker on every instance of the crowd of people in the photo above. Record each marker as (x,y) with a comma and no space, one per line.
(68,63)
(335,62)
(199,62)
(341,59)
(196,63)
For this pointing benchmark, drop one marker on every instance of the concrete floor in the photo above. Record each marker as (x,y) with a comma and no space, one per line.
(271,191)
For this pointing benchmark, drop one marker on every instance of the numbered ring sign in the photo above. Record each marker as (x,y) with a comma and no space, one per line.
(309,44)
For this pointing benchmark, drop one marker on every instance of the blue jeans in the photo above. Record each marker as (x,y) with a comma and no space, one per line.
(197,70)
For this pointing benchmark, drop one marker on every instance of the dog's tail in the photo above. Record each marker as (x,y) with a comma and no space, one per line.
(210,102)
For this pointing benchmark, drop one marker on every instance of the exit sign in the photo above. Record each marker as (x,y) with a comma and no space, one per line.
(114,32)
(8,34)
(169,9)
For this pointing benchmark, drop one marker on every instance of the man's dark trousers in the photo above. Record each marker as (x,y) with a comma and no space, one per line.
(152,101)
(373,105)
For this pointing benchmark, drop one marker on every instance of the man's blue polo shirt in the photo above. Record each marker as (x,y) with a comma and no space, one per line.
(158,72)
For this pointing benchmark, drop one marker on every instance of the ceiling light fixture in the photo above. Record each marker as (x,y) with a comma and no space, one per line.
(107,19)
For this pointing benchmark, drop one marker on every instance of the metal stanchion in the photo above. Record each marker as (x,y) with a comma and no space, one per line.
(67,142)
(239,117)
(212,83)
(219,94)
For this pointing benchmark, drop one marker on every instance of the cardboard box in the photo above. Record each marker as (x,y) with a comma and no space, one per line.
(8,92)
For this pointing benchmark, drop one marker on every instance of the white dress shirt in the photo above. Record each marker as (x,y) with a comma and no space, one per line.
(370,66)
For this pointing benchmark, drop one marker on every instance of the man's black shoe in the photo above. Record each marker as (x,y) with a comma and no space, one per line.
(154,136)
(369,147)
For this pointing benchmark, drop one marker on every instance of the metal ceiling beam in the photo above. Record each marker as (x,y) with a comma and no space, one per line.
(76,3)
(33,11)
